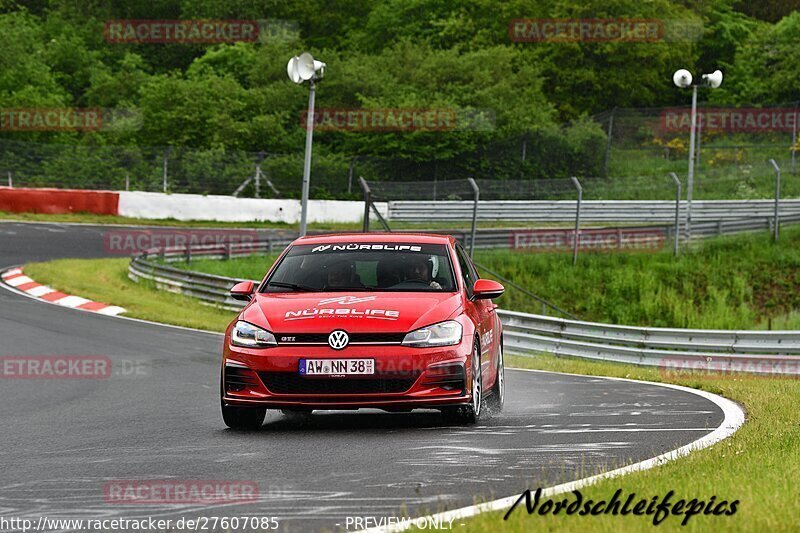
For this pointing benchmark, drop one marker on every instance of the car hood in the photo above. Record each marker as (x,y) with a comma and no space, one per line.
(373,312)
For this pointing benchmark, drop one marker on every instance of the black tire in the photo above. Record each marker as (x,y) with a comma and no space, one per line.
(243,417)
(471,412)
(240,417)
(497,399)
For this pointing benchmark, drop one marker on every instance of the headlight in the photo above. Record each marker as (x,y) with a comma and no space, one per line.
(249,336)
(441,334)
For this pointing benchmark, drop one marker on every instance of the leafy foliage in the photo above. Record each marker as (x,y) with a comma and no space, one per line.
(381,54)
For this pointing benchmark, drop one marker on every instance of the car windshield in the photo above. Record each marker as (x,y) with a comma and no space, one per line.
(334,267)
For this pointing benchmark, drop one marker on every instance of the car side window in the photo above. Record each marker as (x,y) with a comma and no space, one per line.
(468,273)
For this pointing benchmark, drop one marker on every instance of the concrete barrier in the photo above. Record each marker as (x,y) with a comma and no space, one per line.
(152,205)
(58,201)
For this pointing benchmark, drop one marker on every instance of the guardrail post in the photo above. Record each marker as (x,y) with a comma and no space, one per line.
(577,236)
(367,201)
(188,253)
(350,173)
(227,251)
(127,181)
(677,211)
(477,195)
(794,138)
(10,181)
(776,222)
(608,142)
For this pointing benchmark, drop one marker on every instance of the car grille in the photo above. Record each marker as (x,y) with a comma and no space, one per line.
(355,338)
(290,383)
(239,379)
(448,377)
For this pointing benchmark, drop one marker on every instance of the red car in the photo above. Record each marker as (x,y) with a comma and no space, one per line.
(367,320)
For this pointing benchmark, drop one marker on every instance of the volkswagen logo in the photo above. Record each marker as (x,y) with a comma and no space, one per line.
(338,339)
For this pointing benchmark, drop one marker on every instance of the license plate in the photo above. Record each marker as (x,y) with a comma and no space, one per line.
(336,367)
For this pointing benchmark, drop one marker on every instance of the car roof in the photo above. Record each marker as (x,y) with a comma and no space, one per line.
(376,237)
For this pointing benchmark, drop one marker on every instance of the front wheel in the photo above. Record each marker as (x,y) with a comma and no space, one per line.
(243,417)
(471,412)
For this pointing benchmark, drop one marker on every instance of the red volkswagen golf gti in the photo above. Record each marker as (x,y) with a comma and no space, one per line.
(368,320)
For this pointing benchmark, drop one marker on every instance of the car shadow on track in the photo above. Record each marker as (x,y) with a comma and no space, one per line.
(348,421)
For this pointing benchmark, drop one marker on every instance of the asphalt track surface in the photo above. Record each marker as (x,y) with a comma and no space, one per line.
(64,440)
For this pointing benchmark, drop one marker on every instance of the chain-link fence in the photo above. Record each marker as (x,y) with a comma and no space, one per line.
(758,184)
(732,142)
(167,169)
(618,154)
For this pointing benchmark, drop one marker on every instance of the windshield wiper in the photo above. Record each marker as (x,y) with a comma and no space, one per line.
(293,286)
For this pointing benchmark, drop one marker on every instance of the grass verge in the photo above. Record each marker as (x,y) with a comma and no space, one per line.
(758,465)
(106,280)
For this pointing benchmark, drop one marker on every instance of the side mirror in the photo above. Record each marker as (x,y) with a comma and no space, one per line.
(486,289)
(243,291)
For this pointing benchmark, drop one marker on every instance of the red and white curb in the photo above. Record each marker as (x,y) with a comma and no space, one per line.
(17,279)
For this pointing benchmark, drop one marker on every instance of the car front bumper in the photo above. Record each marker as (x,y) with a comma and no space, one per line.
(404,378)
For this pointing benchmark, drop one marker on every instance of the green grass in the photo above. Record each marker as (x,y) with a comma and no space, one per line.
(758,465)
(739,282)
(106,280)
(252,267)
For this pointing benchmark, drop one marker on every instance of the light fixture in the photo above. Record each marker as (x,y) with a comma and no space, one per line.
(305,68)
(683,79)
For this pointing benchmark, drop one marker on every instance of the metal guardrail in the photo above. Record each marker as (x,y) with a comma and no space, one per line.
(633,211)
(641,236)
(760,352)
(209,288)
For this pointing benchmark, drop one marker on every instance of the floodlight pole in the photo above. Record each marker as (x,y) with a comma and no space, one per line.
(776,221)
(677,211)
(576,242)
(307,162)
(690,180)
(476,199)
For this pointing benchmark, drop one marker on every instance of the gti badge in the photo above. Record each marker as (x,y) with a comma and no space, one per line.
(338,339)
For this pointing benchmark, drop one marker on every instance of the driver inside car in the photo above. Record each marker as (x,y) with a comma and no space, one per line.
(419,269)
(342,275)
